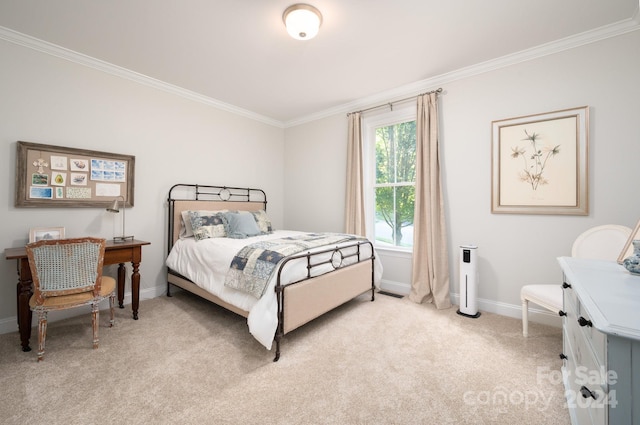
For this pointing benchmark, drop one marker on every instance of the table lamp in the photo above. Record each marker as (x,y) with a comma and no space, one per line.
(114,208)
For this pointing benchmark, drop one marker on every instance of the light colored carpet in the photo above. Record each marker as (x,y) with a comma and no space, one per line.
(186,361)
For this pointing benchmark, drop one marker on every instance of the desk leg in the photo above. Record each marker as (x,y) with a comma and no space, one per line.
(135,290)
(24,292)
(121,272)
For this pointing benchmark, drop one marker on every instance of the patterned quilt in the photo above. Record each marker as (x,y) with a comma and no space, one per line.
(254,265)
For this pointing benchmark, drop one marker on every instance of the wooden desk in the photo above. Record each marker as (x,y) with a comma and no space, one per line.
(115,253)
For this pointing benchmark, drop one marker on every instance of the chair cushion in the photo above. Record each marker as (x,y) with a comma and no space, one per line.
(107,287)
(548,296)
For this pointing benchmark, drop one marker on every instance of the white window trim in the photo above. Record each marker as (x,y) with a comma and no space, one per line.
(401,113)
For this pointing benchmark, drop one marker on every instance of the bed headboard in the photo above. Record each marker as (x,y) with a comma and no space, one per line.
(184,197)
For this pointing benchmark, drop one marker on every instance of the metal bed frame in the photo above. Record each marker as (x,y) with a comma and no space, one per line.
(350,275)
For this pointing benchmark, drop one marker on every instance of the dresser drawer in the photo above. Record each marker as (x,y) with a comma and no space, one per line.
(581,408)
(569,296)
(595,338)
(591,386)
(585,374)
(582,320)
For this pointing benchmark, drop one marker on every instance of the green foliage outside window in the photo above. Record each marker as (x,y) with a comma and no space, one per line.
(395,178)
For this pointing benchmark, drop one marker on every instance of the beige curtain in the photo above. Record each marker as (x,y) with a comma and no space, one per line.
(430,276)
(354,215)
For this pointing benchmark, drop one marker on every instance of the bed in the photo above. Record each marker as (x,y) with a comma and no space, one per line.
(306,274)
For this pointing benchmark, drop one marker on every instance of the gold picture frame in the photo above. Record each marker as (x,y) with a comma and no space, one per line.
(539,163)
(628,246)
(41,233)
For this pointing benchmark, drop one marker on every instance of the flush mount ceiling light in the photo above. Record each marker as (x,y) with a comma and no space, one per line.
(302,21)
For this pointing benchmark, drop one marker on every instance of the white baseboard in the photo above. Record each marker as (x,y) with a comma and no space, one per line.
(536,315)
(10,324)
(395,287)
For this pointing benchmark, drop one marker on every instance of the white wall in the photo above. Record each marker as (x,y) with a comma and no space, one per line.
(513,249)
(44,99)
(48,100)
(315,174)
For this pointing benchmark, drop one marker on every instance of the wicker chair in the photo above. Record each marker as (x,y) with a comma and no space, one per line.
(67,273)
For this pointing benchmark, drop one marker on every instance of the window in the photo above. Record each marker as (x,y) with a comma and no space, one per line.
(390,168)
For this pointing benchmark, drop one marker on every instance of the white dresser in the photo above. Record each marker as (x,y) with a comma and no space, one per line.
(601,342)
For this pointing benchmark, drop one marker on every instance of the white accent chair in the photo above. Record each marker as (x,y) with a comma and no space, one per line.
(599,243)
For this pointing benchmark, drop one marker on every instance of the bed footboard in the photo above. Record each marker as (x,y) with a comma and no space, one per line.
(303,301)
(308,300)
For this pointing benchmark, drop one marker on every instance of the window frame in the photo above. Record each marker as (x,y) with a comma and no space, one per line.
(397,115)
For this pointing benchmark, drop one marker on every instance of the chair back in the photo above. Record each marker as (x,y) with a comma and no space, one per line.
(66,266)
(601,242)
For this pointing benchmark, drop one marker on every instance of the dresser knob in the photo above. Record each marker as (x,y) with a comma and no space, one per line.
(562,313)
(566,285)
(586,393)
(563,356)
(584,322)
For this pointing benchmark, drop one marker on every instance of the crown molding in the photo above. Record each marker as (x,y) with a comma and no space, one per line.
(81,59)
(588,37)
(592,36)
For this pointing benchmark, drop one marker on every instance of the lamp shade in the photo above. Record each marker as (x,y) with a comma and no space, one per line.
(114,207)
(302,21)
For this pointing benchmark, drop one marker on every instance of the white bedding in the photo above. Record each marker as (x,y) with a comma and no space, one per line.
(206,262)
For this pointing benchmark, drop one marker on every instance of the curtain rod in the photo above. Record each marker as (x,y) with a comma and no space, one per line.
(390,104)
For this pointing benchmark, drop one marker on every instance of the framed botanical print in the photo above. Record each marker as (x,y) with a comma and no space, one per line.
(539,163)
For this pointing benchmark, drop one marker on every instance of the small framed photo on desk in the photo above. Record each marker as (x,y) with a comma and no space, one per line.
(41,233)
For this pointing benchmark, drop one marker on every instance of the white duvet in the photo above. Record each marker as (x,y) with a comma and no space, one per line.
(206,262)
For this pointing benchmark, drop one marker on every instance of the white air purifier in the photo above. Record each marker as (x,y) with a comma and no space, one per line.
(469,281)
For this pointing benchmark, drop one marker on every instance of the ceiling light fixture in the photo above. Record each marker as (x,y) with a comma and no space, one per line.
(302,21)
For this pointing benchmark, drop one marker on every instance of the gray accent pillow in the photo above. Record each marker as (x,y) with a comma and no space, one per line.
(241,225)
